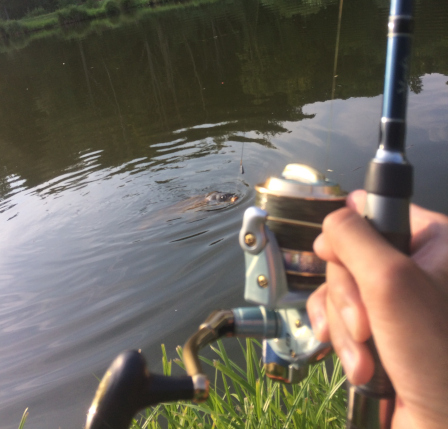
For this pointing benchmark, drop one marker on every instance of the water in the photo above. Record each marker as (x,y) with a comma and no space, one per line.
(106,130)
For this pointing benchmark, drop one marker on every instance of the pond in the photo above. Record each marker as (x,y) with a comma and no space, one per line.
(106,130)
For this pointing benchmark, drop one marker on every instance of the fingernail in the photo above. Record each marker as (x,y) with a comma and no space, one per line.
(318,242)
(318,323)
(349,316)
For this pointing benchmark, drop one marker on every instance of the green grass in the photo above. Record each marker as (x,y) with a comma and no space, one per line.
(23,419)
(243,398)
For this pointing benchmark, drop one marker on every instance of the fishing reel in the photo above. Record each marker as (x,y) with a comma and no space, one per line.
(282,271)
(281,268)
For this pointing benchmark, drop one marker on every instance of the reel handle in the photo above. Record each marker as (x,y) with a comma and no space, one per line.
(128,387)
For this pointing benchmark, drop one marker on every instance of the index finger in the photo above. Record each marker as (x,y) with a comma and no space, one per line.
(383,274)
(420,217)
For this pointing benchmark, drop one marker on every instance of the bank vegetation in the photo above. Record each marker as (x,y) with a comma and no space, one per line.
(20,18)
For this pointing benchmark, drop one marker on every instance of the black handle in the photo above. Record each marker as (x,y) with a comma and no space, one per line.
(128,387)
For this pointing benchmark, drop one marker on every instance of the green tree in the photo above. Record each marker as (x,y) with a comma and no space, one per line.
(16,9)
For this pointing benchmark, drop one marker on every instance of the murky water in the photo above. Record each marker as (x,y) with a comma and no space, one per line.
(106,132)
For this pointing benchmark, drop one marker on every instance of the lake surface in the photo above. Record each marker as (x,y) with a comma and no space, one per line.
(105,131)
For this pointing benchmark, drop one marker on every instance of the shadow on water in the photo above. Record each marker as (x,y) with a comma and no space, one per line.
(110,142)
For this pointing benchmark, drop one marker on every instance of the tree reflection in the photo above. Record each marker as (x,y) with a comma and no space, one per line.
(248,65)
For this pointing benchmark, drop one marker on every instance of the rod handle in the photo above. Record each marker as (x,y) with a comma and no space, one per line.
(371,405)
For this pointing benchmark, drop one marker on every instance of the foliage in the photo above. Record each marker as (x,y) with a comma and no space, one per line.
(125,5)
(19,19)
(92,4)
(111,8)
(23,419)
(72,14)
(245,398)
(36,12)
(66,3)
(11,28)
(16,9)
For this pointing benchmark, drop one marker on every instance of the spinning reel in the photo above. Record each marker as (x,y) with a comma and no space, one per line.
(281,272)
(281,269)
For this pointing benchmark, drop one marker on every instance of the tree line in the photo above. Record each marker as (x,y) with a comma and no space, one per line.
(17,9)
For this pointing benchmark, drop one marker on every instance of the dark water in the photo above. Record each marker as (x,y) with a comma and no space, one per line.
(104,132)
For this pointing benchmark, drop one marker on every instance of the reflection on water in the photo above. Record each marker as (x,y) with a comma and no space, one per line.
(111,141)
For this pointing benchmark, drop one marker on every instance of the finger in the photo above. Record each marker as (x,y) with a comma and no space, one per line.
(429,236)
(359,247)
(427,226)
(423,221)
(323,249)
(344,294)
(429,245)
(356,200)
(355,357)
(317,311)
(384,276)
(422,218)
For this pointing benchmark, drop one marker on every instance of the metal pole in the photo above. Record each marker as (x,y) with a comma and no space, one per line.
(389,188)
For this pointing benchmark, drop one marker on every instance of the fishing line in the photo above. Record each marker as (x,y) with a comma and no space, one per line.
(241,160)
(333,87)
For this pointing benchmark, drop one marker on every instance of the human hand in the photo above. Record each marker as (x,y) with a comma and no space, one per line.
(372,288)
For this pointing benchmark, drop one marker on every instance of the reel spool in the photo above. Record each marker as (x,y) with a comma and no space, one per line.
(297,204)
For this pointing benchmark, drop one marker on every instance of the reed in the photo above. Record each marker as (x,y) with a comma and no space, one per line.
(23,419)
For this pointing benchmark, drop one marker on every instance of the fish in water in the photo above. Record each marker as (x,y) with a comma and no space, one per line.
(212,201)
(222,197)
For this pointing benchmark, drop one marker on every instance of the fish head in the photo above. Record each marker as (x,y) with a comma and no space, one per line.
(222,197)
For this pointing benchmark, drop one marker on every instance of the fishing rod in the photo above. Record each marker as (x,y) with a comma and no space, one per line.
(389,186)
(282,271)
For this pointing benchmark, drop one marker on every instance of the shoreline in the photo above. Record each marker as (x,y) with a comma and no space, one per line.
(15,34)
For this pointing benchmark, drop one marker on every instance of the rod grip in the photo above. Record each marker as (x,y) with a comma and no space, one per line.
(379,385)
(371,406)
